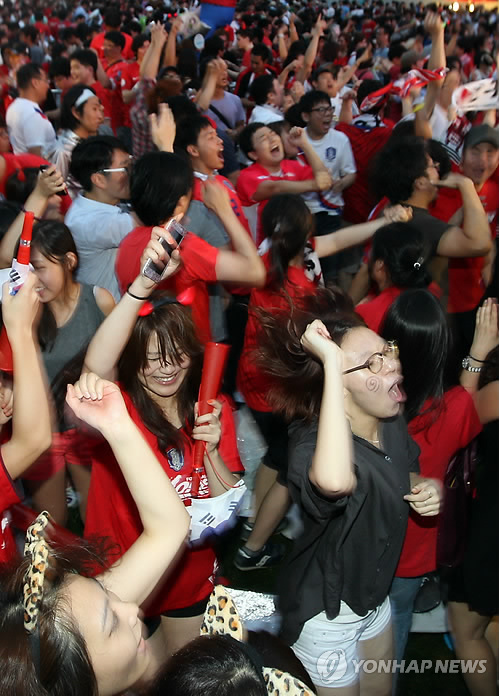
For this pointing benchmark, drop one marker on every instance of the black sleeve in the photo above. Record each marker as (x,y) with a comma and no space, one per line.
(432,229)
(301,448)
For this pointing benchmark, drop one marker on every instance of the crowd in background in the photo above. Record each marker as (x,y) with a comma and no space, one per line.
(333,169)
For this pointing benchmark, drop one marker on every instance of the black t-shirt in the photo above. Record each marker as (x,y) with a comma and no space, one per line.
(431,228)
(351,545)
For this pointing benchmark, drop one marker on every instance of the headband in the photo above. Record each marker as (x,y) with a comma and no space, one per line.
(222,618)
(418,77)
(84,97)
(37,550)
(186,297)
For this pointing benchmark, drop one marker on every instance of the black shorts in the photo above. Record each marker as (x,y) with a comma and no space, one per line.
(274,431)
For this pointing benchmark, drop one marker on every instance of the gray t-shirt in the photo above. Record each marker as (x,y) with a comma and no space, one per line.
(230,107)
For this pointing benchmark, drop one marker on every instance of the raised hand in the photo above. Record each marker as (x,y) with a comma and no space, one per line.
(208,428)
(215,196)
(317,341)
(397,213)
(159,34)
(50,181)
(19,311)
(163,128)
(486,336)
(97,402)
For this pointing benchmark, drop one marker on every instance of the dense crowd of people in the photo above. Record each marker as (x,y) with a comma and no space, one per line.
(316,185)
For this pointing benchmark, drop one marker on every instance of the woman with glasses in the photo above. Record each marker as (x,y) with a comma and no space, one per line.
(353,472)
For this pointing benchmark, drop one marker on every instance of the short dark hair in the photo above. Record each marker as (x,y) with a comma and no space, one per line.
(366,87)
(112,18)
(154,202)
(261,51)
(246,137)
(261,88)
(86,57)
(60,67)
(92,155)
(216,665)
(27,73)
(116,38)
(189,130)
(397,166)
(68,119)
(139,41)
(311,99)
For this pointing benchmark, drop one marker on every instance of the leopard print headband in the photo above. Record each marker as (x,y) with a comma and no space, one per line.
(37,550)
(222,618)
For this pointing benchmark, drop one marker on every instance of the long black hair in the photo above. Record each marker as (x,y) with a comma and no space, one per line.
(401,248)
(417,321)
(287,223)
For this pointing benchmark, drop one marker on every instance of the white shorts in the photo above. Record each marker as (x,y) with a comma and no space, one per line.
(328,649)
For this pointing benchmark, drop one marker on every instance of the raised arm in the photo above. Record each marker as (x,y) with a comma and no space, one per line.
(473,238)
(111,337)
(311,52)
(170,57)
(485,339)
(206,93)
(357,234)
(435,27)
(163,515)
(31,431)
(49,182)
(242,264)
(333,477)
(150,63)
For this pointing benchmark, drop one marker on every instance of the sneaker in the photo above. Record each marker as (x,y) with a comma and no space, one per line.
(247,528)
(270,555)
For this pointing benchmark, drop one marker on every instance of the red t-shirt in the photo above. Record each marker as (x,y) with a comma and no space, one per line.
(373,312)
(98,43)
(252,382)
(8,497)
(466,286)
(198,268)
(365,144)
(112,513)
(456,425)
(105,97)
(14,162)
(119,111)
(250,179)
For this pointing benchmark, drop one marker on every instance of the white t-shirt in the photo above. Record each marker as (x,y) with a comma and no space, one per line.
(265,114)
(98,229)
(29,127)
(335,151)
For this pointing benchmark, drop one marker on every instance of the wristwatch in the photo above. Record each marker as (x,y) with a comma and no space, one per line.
(466,365)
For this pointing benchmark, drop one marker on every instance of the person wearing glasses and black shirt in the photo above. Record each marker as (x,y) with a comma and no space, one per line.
(353,471)
(98,224)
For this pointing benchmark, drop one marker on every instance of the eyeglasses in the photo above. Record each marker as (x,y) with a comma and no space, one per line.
(376,361)
(322,110)
(125,169)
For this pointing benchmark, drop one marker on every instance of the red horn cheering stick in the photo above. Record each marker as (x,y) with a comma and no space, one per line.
(215,359)
(18,274)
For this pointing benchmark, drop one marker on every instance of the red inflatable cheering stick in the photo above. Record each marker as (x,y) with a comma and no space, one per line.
(18,274)
(215,359)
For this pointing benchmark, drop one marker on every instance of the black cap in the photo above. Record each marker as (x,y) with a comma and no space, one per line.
(481,134)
